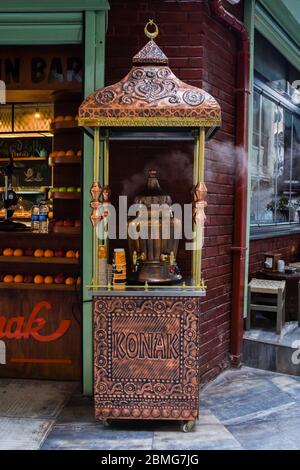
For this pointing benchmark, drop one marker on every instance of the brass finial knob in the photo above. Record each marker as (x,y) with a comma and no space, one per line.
(154,33)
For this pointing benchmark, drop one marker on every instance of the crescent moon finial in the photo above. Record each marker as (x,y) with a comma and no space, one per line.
(148,33)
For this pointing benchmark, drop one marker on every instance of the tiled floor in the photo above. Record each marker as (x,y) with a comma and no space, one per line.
(28,410)
(242,409)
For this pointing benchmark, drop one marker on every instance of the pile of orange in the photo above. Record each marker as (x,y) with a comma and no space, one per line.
(39,253)
(39,279)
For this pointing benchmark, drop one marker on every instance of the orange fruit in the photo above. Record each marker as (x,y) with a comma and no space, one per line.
(79,153)
(48,253)
(70,254)
(38,253)
(38,279)
(18,252)
(77,254)
(18,278)
(69,281)
(61,153)
(8,278)
(78,281)
(69,118)
(48,280)
(70,153)
(8,252)
(59,119)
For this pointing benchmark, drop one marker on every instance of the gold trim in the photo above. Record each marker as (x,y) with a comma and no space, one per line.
(195,180)
(148,33)
(200,233)
(149,122)
(96,157)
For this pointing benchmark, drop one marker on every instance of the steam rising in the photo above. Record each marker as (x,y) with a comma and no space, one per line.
(175,167)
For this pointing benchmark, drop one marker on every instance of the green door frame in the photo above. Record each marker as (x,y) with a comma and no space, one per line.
(275,22)
(249,20)
(68,22)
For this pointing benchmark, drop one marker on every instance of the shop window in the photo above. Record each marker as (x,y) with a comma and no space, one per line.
(275,71)
(275,173)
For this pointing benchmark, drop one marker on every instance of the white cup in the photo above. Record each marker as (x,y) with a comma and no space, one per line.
(281,265)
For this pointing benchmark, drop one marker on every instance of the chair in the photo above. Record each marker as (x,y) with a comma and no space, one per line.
(275,288)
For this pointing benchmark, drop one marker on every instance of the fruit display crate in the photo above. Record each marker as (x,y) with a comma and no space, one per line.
(60,125)
(65,195)
(32,286)
(64,160)
(66,230)
(39,259)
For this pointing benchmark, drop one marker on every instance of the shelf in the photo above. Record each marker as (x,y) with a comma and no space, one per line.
(66,230)
(24,190)
(38,260)
(17,135)
(28,286)
(28,235)
(65,195)
(64,161)
(61,126)
(22,159)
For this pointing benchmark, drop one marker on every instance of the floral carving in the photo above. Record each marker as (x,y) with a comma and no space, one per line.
(124,394)
(193,97)
(148,86)
(106,96)
(152,95)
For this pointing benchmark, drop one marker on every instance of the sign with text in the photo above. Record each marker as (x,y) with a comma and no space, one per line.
(39,335)
(54,67)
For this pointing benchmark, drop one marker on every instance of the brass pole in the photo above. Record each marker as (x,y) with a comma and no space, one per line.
(199,230)
(106,159)
(106,174)
(195,180)
(97,157)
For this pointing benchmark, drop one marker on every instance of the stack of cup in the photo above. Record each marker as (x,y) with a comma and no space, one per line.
(119,267)
(102,259)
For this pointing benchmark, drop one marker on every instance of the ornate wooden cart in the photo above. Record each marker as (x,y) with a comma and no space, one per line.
(146,338)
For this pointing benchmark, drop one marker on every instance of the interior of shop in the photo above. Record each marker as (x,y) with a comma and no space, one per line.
(40,212)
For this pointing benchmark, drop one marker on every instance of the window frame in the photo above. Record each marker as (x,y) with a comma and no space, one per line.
(259,230)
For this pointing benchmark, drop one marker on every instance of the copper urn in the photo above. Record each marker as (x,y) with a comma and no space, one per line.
(154,236)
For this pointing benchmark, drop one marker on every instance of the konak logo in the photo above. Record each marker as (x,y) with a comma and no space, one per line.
(19,328)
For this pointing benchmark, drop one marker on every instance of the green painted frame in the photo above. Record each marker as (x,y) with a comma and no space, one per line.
(275,22)
(68,22)
(249,20)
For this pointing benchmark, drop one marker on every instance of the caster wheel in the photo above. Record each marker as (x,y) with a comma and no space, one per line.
(188,426)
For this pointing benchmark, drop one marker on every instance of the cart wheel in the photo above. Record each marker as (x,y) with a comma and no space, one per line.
(187,426)
(106,423)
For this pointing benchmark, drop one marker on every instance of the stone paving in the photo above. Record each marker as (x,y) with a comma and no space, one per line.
(241,409)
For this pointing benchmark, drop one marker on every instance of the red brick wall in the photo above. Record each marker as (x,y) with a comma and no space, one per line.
(202,52)
(288,246)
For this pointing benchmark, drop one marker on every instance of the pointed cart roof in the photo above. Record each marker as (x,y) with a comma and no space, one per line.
(150,95)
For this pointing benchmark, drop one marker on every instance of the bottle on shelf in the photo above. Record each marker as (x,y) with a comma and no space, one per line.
(35,224)
(43,217)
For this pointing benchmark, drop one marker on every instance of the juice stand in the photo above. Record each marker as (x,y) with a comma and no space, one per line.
(146,329)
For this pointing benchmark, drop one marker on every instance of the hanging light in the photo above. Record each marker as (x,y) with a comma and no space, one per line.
(37,113)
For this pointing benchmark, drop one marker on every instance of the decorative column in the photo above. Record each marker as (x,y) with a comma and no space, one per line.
(96,192)
(199,193)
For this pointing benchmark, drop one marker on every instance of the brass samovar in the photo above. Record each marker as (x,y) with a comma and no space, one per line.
(153,250)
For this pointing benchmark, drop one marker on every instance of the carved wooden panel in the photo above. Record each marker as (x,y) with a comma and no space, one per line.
(146,357)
